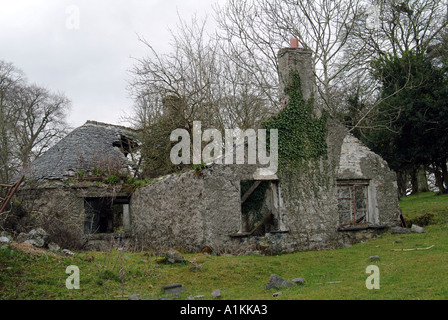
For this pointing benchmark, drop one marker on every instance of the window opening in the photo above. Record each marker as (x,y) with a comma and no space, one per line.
(105,215)
(257,207)
(353,202)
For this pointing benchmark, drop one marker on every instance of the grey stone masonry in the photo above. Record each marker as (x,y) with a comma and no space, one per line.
(300,61)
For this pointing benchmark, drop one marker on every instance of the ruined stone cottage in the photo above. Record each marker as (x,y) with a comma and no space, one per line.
(69,183)
(343,195)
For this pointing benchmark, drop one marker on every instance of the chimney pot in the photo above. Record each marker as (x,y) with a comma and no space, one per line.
(294,43)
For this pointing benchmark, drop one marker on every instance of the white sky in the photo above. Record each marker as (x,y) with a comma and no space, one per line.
(88,64)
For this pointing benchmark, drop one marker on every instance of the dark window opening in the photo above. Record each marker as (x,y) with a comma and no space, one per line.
(104,215)
(353,203)
(257,207)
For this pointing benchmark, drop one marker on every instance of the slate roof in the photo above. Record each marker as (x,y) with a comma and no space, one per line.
(82,150)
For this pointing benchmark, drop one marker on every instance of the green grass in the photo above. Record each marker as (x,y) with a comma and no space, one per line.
(404,275)
(425,204)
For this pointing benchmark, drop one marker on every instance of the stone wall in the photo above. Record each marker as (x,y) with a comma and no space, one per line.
(202,209)
(58,207)
(192,211)
(170,213)
(359,162)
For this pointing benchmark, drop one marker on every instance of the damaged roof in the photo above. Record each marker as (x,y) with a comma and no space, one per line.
(90,146)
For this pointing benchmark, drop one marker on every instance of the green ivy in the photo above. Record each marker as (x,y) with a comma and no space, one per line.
(301,134)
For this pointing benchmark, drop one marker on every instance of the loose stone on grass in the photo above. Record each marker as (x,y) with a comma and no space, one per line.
(299,281)
(277,282)
(399,230)
(216,294)
(135,296)
(417,229)
(174,288)
(174,256)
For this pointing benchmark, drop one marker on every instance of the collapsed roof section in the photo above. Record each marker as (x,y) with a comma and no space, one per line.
(94,145)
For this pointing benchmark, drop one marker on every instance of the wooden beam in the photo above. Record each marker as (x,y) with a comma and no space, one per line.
(418,249)
(403,221)
(250,191)
(10,194)
(261,223)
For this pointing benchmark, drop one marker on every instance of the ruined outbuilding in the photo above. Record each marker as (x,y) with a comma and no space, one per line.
(78,182)
(337,199)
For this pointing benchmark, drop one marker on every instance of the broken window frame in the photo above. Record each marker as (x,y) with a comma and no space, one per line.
(353,185)
(274,212)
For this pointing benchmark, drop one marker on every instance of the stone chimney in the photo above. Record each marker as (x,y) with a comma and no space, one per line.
(299,60)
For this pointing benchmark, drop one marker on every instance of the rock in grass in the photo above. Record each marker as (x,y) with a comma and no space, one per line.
(4,240)
(135,296)
(417,229)
(53,247)
(68,252)
(374,258)
(277,282)
(174,288)
(299,281)
(216,294)
(174,256)
(399,230)
(38,238)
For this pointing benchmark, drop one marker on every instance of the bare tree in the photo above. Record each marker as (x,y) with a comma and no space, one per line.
(398,26)
(40,121)
(187,74)
(10,78)
(345,37)
(401,26)
(31,120)
(256,30)
(195,81)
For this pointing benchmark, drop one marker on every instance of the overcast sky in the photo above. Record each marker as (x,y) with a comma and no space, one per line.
(84,48)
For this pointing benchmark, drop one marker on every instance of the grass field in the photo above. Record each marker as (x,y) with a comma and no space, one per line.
(332,274)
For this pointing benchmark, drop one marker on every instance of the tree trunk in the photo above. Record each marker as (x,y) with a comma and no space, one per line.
(402,181)
(444,178)
(439,179)
(414,181)
(422,180)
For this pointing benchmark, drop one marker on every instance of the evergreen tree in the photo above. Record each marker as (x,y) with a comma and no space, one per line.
(412,120)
